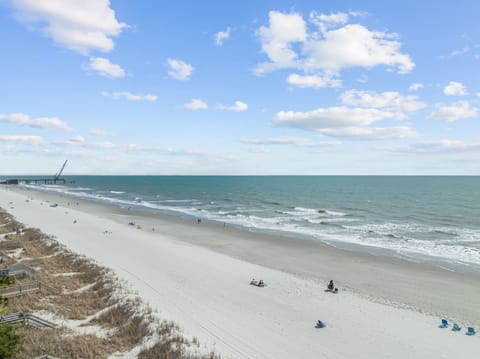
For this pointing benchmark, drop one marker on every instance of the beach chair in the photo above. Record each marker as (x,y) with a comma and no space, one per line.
(444,323)
(320,324)
(470,331)
(456,327)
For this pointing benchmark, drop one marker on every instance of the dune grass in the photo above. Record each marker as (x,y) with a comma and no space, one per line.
(92,295)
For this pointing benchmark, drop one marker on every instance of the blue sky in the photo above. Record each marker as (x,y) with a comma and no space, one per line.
(240,87)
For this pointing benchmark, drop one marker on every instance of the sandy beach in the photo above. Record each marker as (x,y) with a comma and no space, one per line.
(198,276)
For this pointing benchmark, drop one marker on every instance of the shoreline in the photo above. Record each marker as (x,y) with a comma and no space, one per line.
(178,253)
(378,277)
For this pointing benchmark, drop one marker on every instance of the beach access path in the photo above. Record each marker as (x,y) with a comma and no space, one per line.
(208,294)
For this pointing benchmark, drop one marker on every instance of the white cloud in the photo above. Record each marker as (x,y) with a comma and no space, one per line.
(454,112)
(282,31)
(294,141)
(455,89)
(314,81)
(81,26)
(130,96)
(331,117)
(196,104)
(179,69)
(239,106)
(221,36)
(389,100)
(326,21)
(368,133)
(31,140)
(439,146)
(259,150)
(331,50)
(98,132)
(22,119)
(415,86)
(78,139)
(105,68)
(355,46)
(348,122)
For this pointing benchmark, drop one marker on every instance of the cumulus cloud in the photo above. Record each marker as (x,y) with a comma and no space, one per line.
(30,140)
(352,122)
(455,89)
(314,81)
(22,119)
(277,38)
(81,26)
(105,68)
(196,104)
(337,45)
(239,106)
(179,69)
(129,96)
(369,133)
(221,36)
(415,86)
(326,21)
(390,100)
(454,112)
(294,141)
(331,117)
(98,132)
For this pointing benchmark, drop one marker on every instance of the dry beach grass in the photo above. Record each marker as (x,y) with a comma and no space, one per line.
(77,290)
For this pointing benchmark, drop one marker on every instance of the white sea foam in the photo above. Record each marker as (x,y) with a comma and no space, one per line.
(444,242)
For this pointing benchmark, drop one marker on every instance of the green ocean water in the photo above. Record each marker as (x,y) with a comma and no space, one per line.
(421,218)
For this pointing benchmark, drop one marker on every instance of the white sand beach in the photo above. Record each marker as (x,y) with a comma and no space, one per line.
(198,276)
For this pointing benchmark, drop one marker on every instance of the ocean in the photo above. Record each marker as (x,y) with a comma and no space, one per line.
(432,219)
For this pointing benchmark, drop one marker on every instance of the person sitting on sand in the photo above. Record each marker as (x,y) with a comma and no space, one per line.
(261,283)
(331,286)
(253,282)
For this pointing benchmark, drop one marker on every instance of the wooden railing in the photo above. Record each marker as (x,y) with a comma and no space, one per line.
(20,289)
(27,318)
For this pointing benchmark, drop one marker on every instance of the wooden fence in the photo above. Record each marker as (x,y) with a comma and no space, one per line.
(27,318)
(24,288)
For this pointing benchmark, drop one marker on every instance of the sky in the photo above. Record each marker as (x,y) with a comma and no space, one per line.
(240,87)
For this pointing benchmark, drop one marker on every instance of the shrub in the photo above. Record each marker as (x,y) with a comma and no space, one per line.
(9,341)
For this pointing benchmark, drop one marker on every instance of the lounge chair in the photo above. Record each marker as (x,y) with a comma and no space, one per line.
(456,327)
(470,331)
(444,323)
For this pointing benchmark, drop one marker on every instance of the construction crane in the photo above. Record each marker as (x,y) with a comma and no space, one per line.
(59,173)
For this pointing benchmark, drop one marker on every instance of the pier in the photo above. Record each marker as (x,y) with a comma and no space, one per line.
(34,180)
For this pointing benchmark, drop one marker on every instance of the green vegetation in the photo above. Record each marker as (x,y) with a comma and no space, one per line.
(5,281)
(9,338)
(9,341)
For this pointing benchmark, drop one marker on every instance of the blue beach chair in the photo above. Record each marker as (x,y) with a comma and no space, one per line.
(444,323)
(456,327)
(320,324)
(470,331)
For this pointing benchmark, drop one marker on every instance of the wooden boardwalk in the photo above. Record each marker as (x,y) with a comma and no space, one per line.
(27,318)
(21,289)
